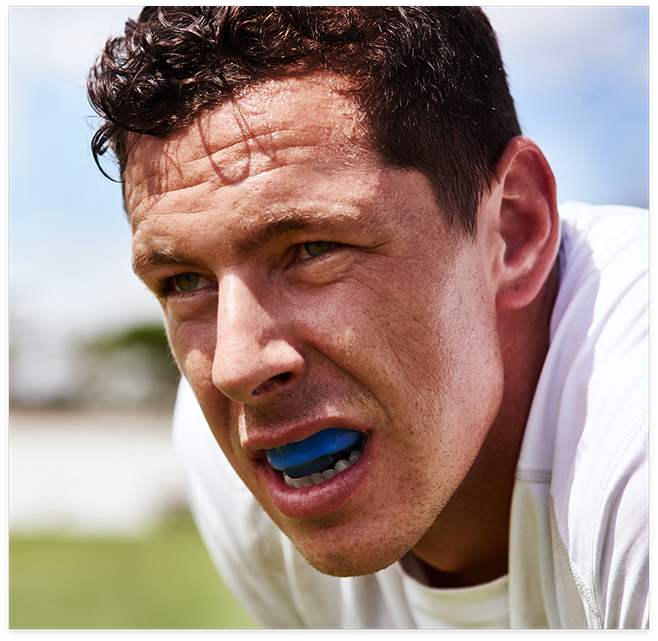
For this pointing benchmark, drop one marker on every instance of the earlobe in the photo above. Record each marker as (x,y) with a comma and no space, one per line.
(527,223)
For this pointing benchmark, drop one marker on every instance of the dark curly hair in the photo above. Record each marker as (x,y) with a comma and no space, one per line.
(429,80)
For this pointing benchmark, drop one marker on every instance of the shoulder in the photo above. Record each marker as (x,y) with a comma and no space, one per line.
(599,363)
(604,252)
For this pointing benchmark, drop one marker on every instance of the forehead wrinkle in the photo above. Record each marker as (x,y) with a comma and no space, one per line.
(261,151)
(248,115)
(158,181)
(256,133)
(161,187)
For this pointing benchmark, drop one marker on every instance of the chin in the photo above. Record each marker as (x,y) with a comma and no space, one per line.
(343,564)
(347,556)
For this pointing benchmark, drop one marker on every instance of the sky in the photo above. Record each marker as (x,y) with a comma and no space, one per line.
(579,76)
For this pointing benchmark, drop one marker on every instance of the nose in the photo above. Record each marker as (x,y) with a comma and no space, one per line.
(255,357)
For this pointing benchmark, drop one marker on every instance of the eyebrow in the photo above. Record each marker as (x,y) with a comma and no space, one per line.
(259,238)
(160,258)
(251,243)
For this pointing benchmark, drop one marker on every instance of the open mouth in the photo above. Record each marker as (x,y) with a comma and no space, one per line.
(317,458)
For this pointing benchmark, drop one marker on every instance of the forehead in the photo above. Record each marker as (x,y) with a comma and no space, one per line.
(274,124)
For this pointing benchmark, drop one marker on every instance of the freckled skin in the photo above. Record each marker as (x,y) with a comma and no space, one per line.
(395,327)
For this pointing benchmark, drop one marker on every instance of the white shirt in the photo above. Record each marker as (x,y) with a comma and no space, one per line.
(579,522)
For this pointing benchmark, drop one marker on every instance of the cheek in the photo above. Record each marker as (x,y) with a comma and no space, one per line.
(424,346)
(193,347)
(471,347)
(192,344)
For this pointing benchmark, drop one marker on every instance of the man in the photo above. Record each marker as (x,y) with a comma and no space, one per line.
(428,391)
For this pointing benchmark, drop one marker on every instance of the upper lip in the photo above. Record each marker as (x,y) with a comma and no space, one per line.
(256,441)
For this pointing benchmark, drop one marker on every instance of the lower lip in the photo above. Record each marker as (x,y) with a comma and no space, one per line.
(319,499)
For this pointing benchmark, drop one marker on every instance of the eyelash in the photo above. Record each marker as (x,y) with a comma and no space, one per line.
(166,286)
(305,247)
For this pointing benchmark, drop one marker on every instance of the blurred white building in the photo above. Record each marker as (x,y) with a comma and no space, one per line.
(91,473)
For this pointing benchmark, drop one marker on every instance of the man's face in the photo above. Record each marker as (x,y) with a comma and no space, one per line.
(306,286)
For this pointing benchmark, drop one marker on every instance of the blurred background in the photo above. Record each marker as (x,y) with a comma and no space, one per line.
(99,533)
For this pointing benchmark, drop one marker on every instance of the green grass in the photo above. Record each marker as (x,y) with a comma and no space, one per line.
(165,580)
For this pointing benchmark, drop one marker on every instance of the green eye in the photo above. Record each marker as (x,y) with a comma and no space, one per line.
(186,282)
(318,247)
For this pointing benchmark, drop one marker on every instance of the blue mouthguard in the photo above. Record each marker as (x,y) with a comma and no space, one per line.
(315,453)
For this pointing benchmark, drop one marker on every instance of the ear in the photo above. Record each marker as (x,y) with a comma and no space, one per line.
(523,223)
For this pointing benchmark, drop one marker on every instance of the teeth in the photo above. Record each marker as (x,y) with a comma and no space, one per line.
(320,477)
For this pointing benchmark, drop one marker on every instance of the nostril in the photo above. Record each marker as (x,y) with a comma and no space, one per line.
(280,380)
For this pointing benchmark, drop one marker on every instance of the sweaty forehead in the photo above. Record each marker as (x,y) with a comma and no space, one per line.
(278,123)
